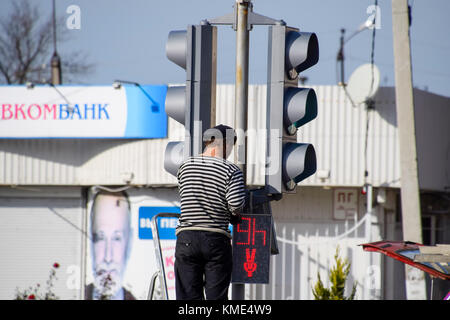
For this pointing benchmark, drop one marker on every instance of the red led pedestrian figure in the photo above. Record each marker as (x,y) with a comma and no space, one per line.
(250,265)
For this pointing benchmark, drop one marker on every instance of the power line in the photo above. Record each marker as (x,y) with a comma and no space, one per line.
(369,104)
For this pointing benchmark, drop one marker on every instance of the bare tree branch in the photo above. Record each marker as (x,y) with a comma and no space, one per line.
(26,47)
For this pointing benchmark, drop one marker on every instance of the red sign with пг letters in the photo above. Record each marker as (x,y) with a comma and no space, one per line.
(251,249)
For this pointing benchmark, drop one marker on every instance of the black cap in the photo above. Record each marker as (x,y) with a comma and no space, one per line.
(220,131)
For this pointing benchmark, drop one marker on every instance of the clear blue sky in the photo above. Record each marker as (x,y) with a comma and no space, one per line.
(126,39)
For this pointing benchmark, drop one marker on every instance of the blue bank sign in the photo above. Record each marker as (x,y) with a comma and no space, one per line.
(166,226)
(83,112)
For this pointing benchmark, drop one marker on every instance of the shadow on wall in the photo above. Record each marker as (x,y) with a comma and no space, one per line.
(57,150)
(432,115)
(385,105)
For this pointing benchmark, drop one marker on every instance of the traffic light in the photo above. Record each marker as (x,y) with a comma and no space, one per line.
(288,108)
(193,49)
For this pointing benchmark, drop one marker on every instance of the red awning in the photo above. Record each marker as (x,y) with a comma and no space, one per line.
(405,251)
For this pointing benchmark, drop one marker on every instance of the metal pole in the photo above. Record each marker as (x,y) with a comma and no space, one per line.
(55,62)
(241,102)
(369,209)
(368,231)
(410,201)
(241,88)
(341,57)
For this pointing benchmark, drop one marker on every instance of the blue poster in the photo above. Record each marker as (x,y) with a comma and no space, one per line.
(166,226)
(146,117)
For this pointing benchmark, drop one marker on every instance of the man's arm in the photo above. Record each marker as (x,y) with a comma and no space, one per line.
(235,194)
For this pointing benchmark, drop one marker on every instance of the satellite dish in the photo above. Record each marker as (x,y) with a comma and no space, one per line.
(360,86)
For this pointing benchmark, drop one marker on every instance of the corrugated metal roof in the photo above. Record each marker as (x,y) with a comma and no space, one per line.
(338,135)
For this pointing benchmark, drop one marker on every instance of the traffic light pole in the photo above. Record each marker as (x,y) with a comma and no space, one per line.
(241,103)
(243,19)
(241,87)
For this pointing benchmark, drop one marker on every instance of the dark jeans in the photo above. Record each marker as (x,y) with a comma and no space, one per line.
(203,259)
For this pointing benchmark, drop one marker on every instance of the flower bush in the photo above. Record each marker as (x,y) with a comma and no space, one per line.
(34,293)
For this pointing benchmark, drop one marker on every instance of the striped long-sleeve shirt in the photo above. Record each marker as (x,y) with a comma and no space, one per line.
(210,190)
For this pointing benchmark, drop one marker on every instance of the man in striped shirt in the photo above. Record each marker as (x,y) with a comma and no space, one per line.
(212,192)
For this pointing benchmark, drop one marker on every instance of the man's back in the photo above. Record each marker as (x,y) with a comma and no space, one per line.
(210,188)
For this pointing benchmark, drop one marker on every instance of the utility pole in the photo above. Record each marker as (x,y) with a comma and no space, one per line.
(410,201)
(241,103)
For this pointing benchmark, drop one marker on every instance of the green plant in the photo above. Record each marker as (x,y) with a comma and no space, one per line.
(34,293)
(337,276)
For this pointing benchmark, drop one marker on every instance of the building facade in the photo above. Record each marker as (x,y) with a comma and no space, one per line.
(47,188)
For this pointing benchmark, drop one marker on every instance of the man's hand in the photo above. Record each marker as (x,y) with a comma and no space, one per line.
(235,219)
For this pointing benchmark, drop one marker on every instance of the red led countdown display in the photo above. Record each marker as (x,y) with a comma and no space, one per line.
(251,249)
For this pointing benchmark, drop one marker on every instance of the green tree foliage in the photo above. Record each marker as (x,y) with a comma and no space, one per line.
(337,276)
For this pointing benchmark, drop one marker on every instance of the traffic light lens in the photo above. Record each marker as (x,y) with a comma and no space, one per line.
(299,162)
(173,156)
(300,107)
(310,164)
(302,50)
(176,103)
(176,47)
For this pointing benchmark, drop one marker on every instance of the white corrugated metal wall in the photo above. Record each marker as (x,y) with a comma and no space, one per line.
(40,227)
(338,135)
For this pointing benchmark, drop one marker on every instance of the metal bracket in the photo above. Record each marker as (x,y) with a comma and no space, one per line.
(253,19)
(256,199)
(258,202)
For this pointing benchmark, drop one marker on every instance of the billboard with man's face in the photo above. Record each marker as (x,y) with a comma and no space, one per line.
(121,255)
